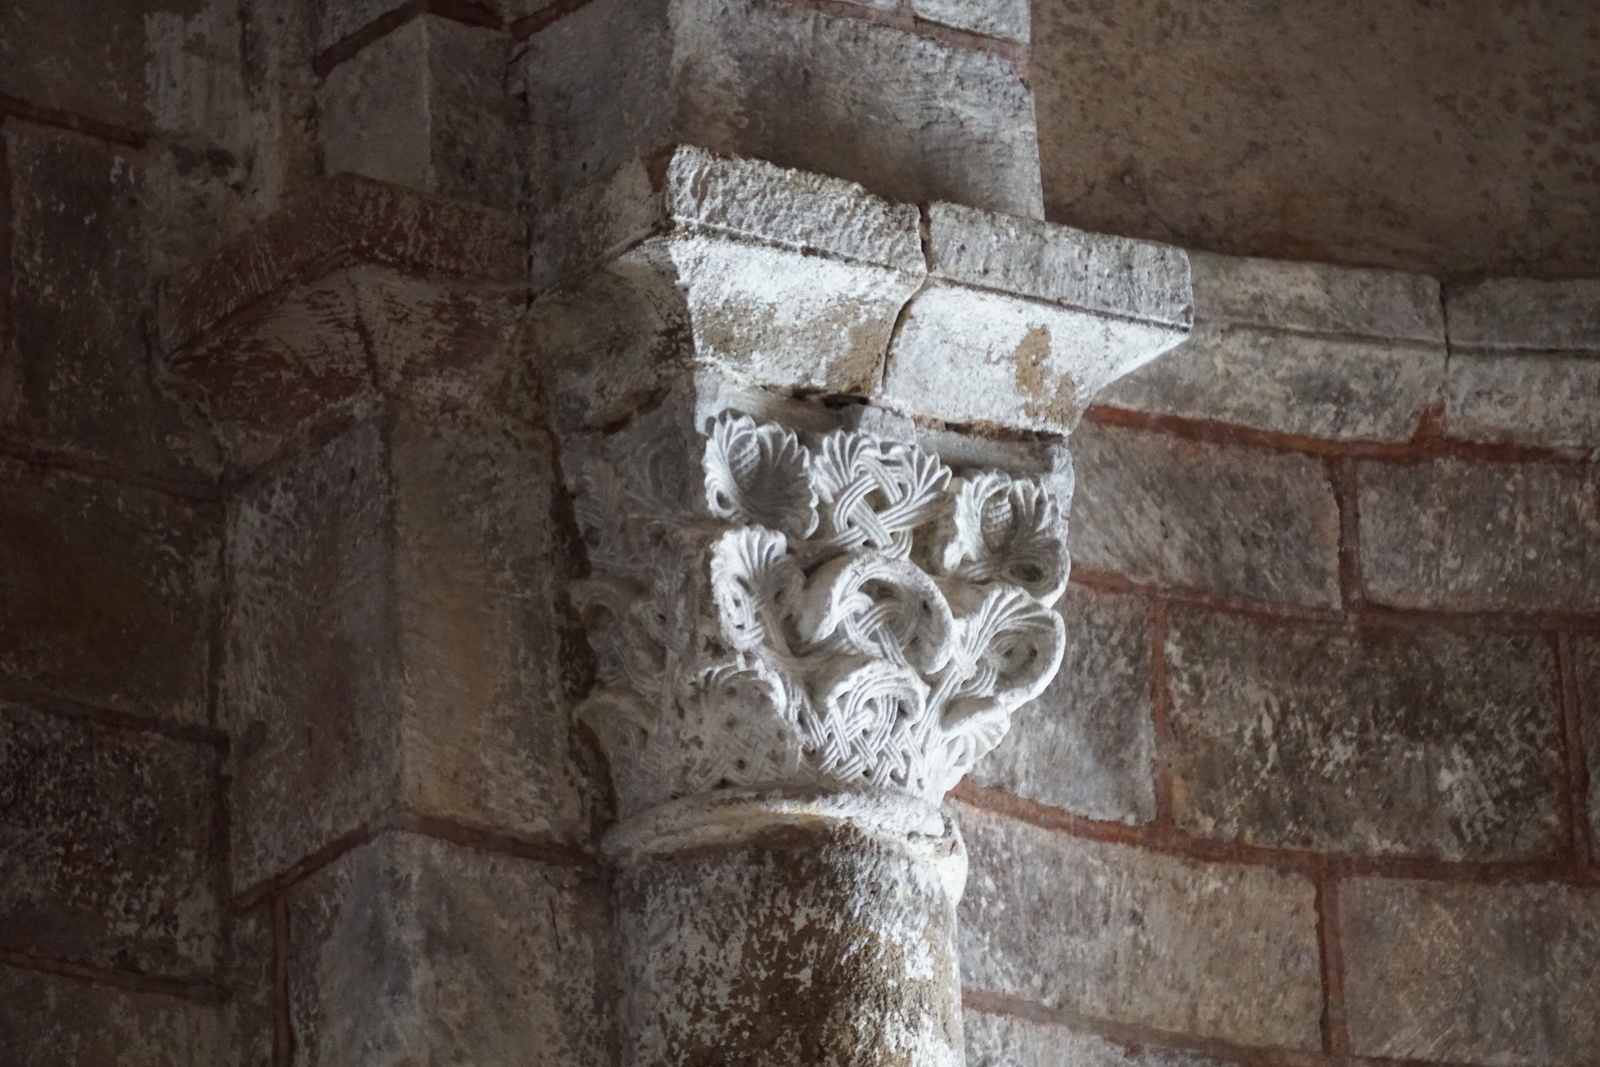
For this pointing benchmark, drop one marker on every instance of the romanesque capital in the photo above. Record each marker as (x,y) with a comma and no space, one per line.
(829,609)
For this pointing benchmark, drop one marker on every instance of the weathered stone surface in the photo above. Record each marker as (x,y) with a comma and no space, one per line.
(1587,671)
(411,947)
(1086,744)
(112,856)
(1232,520)
(804,943)
(1379,740)
(426,107)
(1423,138)
(1526,314)
(1525,363)
(1132,936)
(1006,1041)
(51,1021)
(483,735)
(1300,348)
(77,57)
(309,682)
(75,362)
(106,591)
(251,994)
(1454,535)
(1006,19)
(1524,399)
(1472,973)
(907,117)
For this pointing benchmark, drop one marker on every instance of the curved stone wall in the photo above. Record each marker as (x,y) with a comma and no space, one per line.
(1311,787)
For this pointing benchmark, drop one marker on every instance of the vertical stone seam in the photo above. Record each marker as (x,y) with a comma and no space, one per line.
(1335,1020)
(1346,498)
(925,241)
(1161,716)
(1574,755)
(282,1018)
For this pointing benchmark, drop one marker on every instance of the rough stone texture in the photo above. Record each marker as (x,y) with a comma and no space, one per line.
(412,948)
(483,735)
(1413,136)
(1587,671)
(905,116)
(1006,1041)
(1006,19)
(50,1021)
(251,992)
(1525,363)
(1131,936)
(426,107)
(1453,535)
(111,845)
(310,655)
(807,944)
(1499,975)
(1231,520)
(74,371)
(1300,348)
(1086,743)
(78,57)
(105,592)
(1380,740)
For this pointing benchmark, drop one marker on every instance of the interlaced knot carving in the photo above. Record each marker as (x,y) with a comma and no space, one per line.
(853,614)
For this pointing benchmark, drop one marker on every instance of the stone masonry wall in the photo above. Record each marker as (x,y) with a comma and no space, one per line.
(1312,786)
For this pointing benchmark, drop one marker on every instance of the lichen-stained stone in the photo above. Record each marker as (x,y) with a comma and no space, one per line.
(1299,348)
(801,944)
(1132,936)
(106,591)
(75,369)
(1086,743)
(1586,669)
(112,856)
(51,1021)
(1459,536)
(1525,363)
(1234,520)
(1379,740)
(409,948)
(1463,973)
(426,107)
(309,691)
(1007,1041)
(479,586)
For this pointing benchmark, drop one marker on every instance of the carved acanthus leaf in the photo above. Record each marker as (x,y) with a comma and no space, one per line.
(850,615)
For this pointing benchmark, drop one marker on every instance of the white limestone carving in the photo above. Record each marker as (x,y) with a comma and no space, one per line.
(845,614)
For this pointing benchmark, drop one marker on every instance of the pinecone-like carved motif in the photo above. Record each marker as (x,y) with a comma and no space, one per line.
(852,615)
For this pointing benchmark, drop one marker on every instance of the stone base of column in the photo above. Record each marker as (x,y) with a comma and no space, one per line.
(789,930)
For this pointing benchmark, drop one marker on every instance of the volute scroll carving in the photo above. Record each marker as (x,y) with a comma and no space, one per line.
(840,611)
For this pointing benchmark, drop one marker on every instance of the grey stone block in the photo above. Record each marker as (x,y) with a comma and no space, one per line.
(110,844)
(1086,744)
(1460,536)
(1524,399)
(1526,314)
(413,947)
(1007,1041)
(1377,740)
(1132,936)
(1232,520)
(1501,974)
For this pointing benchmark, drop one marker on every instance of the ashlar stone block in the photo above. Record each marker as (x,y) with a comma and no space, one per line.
(1132,936)
(1463,973)
(1086,743)
(111,846)
(1460,536)
(1233,520)
(409,947)
(1377,740)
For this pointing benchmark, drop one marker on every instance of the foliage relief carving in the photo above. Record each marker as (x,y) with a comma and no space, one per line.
(852,615)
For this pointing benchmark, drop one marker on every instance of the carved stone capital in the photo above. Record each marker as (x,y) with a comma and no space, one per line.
(821,610)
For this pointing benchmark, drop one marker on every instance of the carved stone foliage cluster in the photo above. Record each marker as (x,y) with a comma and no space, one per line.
(842,613)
